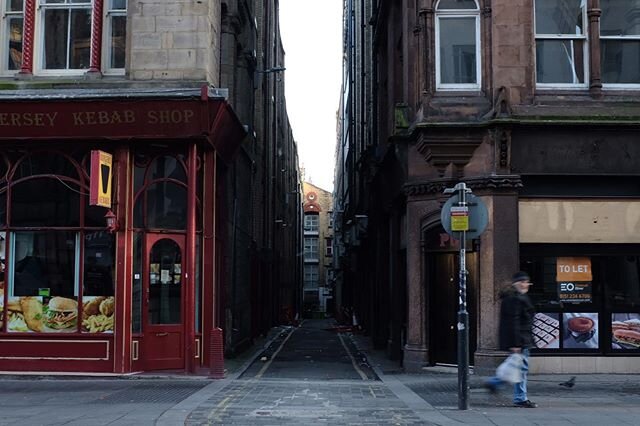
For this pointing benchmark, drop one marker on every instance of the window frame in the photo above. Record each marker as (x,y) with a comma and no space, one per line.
(313,271)
(5,36)
(99,39)
(623,38)
(586,37)
(39,36)
(311,250)
(450,14)
(107,29)
(309,227)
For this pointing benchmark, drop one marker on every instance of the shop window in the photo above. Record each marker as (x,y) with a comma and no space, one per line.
(45,202)
(65,31)
(99,263)
(44,262)
(457,25)
(622,285)
(620,42)
(561,42)
(56,275)
(585,302)
(45,163)
(168,167)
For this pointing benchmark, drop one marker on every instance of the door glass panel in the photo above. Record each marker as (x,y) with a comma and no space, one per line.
(165,280)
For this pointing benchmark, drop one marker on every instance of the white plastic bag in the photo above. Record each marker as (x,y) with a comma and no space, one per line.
(511,369)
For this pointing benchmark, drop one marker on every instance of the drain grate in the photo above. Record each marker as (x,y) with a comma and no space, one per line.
(155,393)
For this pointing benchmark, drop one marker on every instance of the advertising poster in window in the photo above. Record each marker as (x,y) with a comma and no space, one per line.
(625,331)
(574,279)
(98,314)
(38,314)
(546,330)
(580,330)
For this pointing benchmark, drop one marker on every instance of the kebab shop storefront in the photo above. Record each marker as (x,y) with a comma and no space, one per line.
(584,260)
(107,229)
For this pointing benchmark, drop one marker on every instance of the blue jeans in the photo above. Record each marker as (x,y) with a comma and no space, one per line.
(519,389)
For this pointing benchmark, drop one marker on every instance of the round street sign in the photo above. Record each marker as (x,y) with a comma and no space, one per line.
(478,216)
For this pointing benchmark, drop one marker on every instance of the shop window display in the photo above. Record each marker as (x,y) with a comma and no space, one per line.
(586,302)
(60,276)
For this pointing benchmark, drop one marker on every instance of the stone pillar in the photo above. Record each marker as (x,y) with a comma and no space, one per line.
(416,349)
(595,83)
(499,259)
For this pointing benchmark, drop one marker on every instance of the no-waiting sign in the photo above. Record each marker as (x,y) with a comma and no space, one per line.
(454,217)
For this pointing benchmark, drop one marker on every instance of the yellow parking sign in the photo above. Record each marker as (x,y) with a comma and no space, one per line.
(459,219)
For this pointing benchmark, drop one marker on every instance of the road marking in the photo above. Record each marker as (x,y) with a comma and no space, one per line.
(353,360)
(268,363)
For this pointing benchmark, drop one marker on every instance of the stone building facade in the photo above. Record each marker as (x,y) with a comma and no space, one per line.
(151,132)
(534,106)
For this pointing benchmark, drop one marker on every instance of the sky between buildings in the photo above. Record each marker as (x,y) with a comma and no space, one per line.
(312,38)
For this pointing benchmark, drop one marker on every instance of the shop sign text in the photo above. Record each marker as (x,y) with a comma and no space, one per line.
(96,118)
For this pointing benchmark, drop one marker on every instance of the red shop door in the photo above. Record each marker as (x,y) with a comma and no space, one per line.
(164,302)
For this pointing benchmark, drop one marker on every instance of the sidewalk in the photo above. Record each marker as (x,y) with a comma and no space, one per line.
(596,399)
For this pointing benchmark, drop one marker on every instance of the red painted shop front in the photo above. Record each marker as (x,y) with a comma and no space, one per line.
(138,295)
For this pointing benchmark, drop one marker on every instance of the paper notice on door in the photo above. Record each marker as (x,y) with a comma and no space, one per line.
(165,278)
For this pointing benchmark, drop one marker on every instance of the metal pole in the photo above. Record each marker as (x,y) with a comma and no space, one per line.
(463,316)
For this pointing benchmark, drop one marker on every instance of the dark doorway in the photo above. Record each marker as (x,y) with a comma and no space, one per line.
(442,282)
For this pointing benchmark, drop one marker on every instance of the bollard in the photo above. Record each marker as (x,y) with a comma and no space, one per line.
(216,354)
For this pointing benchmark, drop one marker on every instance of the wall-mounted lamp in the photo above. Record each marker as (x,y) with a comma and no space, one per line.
(112,221)
(257,76)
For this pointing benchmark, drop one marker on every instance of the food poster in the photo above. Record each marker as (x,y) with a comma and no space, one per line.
(98,313)
(546,330)
(38,314)
(580,330)
(625,331)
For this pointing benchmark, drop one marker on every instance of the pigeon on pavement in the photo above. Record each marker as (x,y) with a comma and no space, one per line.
(569,383)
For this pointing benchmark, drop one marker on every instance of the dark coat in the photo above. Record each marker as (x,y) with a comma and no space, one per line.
(516,320)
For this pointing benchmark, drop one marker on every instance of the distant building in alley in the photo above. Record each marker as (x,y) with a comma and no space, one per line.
(318,250)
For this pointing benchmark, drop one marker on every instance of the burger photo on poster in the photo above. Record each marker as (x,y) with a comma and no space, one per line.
(62,314)
(625,331)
